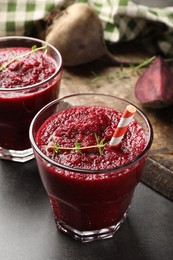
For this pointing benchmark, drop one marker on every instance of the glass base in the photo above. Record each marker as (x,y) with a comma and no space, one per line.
(89,236)
(17,156)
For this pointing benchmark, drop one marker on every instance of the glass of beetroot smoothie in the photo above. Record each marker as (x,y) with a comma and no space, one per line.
(30,74)
(90,183)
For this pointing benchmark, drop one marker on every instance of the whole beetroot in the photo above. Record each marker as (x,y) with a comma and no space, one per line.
(154,88)
(78,34)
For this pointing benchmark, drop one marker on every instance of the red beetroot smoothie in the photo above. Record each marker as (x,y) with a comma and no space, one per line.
(18,107)
(88,201)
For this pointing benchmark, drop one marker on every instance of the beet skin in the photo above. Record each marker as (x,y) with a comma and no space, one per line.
(154,88)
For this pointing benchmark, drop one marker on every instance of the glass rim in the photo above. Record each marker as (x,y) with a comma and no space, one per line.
(58,69)
(77,170)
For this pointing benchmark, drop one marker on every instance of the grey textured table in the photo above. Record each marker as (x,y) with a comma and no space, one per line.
(27,228)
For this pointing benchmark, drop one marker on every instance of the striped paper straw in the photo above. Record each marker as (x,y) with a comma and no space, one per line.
(123,125)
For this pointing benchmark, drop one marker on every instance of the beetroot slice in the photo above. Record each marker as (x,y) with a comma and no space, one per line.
(154,88)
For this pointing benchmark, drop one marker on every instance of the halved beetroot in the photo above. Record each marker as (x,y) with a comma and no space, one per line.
(154,88)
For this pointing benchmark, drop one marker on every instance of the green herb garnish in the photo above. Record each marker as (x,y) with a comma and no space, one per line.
(15,58)
(56,148)
(141,65)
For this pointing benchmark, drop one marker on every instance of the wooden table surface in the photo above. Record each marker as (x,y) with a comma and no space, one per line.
(120,81)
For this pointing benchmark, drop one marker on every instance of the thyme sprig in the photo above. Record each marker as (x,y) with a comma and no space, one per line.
(121,73)
(56,148)
(136,69)
(15,58)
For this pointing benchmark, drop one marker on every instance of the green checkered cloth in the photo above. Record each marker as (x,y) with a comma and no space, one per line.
(19,17)
(123,21)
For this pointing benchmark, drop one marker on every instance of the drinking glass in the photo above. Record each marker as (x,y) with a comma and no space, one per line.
(89,204)
(18,105)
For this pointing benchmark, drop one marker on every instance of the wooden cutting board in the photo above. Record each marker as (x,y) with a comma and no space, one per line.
(119,81)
